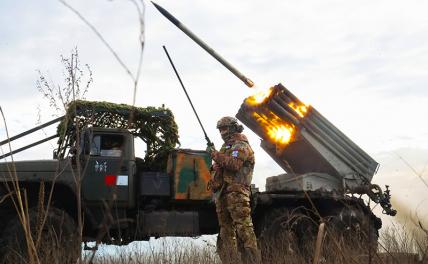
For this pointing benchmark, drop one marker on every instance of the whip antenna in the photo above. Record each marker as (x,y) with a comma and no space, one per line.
(187,95)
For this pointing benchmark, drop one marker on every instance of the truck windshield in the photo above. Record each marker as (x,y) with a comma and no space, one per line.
(107,145)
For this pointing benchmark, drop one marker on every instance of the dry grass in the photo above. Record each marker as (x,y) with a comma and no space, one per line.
(400,248)
(395,246)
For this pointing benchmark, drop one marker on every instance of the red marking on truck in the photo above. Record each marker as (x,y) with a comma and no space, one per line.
(110,180)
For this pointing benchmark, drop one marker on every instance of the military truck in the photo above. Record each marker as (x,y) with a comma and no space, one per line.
(119,197)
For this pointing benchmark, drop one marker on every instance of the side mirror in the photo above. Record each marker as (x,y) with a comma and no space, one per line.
(55,154)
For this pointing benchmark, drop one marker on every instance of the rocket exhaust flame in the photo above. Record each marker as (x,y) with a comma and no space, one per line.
(301,110)
(281,134)
(258,97)
(278,131)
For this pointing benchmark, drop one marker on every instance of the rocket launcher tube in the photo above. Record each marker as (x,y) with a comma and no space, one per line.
(281,112)
(286,107)
(207,48)
(250,122)
(336,148)
(363,155)
(328,149)
(354,151)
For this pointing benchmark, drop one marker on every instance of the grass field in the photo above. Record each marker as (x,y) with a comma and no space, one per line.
(397,244)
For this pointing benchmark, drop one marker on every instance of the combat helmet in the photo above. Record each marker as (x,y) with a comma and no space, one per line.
(229,126)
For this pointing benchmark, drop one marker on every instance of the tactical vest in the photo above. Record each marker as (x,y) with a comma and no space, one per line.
(239,149)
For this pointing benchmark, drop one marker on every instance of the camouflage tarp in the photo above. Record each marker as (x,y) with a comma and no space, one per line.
(154,125)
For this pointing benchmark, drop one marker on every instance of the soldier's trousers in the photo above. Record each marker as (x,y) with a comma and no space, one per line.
(236,229)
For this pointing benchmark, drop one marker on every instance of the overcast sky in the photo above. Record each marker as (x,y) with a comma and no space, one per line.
(362,64)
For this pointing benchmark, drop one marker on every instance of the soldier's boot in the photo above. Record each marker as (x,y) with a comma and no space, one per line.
(227,252)
(252,256)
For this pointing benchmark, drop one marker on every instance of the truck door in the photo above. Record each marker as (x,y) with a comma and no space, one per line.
(109,168)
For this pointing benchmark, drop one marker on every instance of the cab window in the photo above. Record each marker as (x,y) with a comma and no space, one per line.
(107,145)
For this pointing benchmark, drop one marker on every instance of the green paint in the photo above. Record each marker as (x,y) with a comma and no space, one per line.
(188,170)
(187,176)
(207,159)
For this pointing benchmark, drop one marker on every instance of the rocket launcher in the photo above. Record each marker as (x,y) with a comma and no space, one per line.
(301,140)
(310,143)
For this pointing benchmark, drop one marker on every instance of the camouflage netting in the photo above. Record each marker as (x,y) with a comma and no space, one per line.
(154,125)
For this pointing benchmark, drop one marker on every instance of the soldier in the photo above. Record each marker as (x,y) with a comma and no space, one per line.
(233,167)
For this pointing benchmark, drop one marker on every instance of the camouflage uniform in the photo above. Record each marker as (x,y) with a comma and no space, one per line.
(234,165)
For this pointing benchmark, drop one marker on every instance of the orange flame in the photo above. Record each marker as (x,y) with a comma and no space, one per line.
(278,130)
(301,110)
(259,96)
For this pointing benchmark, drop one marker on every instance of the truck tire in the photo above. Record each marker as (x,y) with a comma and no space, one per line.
(59,241)
(353,229)
(285,232)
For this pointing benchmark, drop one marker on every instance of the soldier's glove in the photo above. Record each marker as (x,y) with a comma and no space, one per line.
(215,167)
(213,152)
(210,148)
(214,155)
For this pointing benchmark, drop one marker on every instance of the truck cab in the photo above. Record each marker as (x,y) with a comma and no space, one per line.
(109,167)
(171,201)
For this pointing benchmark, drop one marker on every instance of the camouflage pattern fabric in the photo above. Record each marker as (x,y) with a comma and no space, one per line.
(234,164)
(235,160)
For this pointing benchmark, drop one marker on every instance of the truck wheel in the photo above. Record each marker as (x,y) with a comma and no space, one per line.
(353,230)
(58,242)
(286,232)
